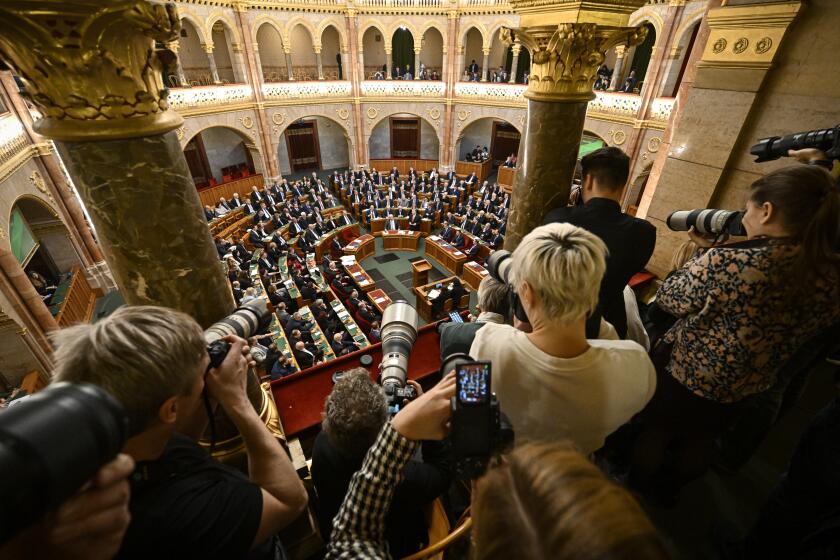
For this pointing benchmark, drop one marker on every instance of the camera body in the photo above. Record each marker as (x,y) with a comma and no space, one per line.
(499,266)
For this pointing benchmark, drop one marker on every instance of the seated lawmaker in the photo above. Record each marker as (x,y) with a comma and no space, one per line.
(630,240)
(459,240)
(548,379)
(493,306)
(183,503)
(354,413)
(340,346)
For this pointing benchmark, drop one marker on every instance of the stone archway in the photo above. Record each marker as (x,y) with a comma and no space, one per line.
(334,143)
(214,151)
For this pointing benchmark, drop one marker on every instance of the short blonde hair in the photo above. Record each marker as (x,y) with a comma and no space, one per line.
(143,355)
(564,265)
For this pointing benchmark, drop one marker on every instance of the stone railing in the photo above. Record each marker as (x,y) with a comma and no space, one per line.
(661,107)
(401,88)
(483,4)
(617,104)
(12,139)
(403,3)
(306,90)
(182,99)
(503,94)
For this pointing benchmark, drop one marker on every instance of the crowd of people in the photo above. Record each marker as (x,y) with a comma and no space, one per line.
(398,74)
(473,73)
(604,79)
(594,412)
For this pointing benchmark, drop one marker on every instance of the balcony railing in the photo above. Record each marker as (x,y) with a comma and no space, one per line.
(497,93)
(620,104)
(483,3)
(403,88)
(403,3)
(209,96)
(661,107)
(306,90)
(12,138)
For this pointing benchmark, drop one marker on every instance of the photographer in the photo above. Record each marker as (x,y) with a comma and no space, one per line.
(184,504)
(742,311)
(552,382)
(493,307)
(354,414)
(629,240)
(543,501)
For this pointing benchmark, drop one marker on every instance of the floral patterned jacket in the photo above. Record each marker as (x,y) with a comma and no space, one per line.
(740,320)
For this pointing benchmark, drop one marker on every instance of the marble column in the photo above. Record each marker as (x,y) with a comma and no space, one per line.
(30,301)
(620,51)
(239,70)
(361,59)
(459,64)
(557,96)
(514,65)
(289,69)
(390,63)
(258,71)
(319,64)
(485,63)
(416,72)
(344,71)
(169,260)
(211,61)
(179,68)
(444,66)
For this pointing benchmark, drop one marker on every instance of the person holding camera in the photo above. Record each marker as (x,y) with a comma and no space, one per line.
(354,414)
(629,240)
(743,310)
(154,360)
(493,306)
(541,501)
(552,382)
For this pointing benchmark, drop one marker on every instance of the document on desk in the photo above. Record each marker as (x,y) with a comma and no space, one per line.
(433,294)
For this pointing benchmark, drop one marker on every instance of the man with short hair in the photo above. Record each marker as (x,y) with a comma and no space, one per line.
(354,412)
(184,504)
(630,240)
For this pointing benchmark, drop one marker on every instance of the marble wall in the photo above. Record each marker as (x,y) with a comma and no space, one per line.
(379,145)
(479,133)
(224,148)
(332,141)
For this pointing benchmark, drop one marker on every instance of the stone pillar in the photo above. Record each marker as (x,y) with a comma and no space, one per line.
(344,71)
(361,72)
(31,303)
(514,65)
(444,67)
(356,74)
(416,73)
(143,254)
(485,63)
(450,75)
(214,72)
(459,63)
(390,63)
(289,69)
(240,72)
(319,64)
(620,51)
(179,68)
(558,93)
(259,77)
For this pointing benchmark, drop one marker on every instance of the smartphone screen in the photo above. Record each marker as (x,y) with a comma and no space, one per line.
(456,317)
(473,382)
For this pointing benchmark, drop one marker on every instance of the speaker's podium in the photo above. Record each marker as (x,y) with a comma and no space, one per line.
(421,270)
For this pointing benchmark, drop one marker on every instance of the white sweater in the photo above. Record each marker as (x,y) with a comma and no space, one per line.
(546,398)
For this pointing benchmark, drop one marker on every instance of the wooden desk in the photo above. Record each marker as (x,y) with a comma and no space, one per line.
(315,274)
(424,305)
(482,170)
(361,279)
(505,177)
(421,270)
(344,316)
(323,244)
(451,258)
(400,240)
(474,273)
(210,196)
(318,337)
(402,165)
(483,248)
(377,225)
(280,340)
(361,247)
(425,226)
(379,299)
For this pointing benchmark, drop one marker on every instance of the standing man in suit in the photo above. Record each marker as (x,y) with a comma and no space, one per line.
(256,196)
(304,357)
(235,201)
(473,67)
(447,231)
(391,223)
(630,240)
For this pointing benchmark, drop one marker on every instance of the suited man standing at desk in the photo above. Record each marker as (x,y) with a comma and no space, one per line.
(630,240)
(311,235)
(256,196)
(447,232)
(391,223)
(303,356)
(414,221)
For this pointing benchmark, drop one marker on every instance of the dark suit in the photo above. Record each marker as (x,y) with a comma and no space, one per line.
(459,241)
(630,242)
(304,359)
(457,337)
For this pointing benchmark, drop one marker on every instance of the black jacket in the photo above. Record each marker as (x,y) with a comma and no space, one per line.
(405,524)
(630,242)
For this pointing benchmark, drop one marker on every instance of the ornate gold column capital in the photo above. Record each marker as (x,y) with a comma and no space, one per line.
(566,57)
(91,67)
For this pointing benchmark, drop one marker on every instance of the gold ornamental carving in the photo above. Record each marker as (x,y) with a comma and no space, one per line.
(618,136)
(764,44)
(653,144)
(719,46)
(434,113)
(38,182)
(463,114)
(343,114)
(278,118)
(247,122)
(372,112)
(3,234)
(566,57)
(180,132)
(91,67)
(740,45)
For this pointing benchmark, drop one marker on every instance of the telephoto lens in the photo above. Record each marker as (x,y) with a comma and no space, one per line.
(774,147)
(708,220)
(51,445)
(249,319)
(398,332)
(498,265)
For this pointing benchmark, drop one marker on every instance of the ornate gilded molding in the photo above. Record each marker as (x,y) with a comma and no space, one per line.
(91,66)
(38,182)
(566,57)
